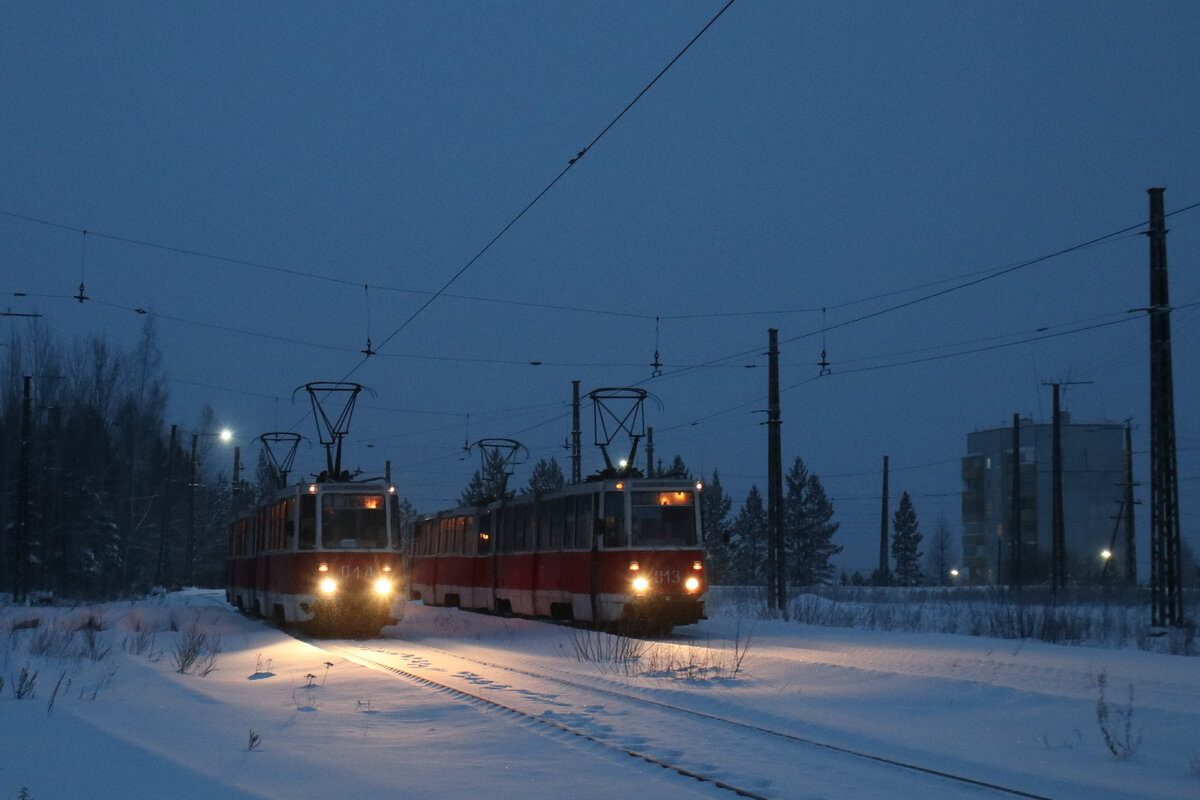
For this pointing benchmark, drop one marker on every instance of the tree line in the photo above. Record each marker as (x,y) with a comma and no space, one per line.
(103,498)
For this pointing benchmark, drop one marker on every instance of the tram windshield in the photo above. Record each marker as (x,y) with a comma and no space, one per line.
(354,520)
(664,519)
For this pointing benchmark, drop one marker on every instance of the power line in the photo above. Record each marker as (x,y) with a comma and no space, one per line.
(549,186)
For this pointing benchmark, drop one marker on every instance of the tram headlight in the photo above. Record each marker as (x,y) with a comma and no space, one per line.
(329,586)
(383,586)
(640,584)
(691,584)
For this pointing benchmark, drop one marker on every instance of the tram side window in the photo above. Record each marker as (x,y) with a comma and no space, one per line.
(308,522)
(260,531)
(275,537)
(289,525)
(584,521)
(568,522)
(544,513)
(469,537)
(614,520)
(484,542)
(420,538)
(504,527)
(557,522)
(524,526)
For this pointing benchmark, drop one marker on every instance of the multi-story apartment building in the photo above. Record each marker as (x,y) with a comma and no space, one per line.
(1093,486)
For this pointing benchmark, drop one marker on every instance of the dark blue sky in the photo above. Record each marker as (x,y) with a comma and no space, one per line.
(853,157)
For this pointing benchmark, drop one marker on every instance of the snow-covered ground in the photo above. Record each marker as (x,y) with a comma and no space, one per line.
(451,704)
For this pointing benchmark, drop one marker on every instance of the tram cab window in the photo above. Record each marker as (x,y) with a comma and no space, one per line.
(353,520)
(614,520)
(663,518)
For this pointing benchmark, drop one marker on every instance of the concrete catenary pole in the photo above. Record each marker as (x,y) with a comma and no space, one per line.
(1014,513)
(1166,593)
(576,447)
(1130,543)
(776,558)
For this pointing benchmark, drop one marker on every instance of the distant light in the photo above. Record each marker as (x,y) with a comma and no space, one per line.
(954,573)
(226,435)
(1106,554)
(622,463)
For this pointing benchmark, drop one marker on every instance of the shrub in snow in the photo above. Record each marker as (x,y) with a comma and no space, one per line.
(1116,724)
(197,651)
(24,683)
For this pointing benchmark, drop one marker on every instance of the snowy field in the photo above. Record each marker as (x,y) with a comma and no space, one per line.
(451,704)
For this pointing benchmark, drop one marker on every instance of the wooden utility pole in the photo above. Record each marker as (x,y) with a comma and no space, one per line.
(1166,593)
(1058,533)
(161,577)
(21,589)
(883,571)
(776,557)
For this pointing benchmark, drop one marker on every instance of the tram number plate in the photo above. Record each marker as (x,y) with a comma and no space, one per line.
(668,576)
(357,571)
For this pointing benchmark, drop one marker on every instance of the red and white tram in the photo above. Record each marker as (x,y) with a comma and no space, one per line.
(324,555)
(619,552)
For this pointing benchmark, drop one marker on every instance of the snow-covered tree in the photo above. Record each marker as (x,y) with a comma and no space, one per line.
(748,541)
(906,541)
(714,512)
(807,530)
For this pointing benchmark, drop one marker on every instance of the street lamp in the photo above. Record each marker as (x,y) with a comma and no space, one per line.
(225,435)
(1107,568)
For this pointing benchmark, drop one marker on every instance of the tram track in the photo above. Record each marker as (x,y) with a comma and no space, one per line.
(752,738)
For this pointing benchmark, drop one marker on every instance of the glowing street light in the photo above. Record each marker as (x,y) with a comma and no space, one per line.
(225,435)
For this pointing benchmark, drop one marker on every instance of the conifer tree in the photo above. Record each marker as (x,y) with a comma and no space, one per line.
(808,532)
(906,541)
(748,541)
(714,512)
(489,483)
(547,476)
